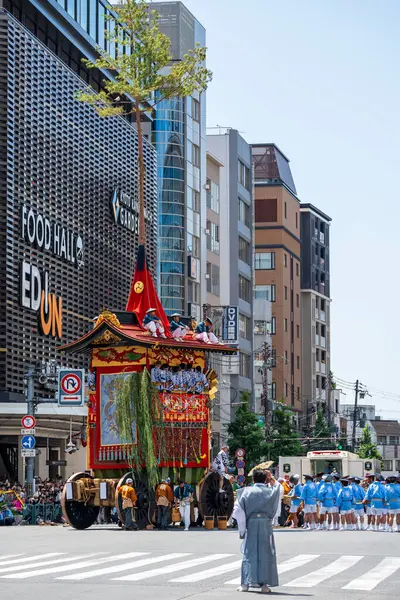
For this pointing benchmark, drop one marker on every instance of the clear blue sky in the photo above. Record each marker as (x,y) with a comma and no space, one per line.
(320,78)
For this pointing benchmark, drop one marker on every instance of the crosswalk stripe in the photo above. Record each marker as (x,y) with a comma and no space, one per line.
(10,556)
(74,567)
(287,565)
(118,568)
(208,573)
(18,561)
(316,577)
(370,580)
(172,568)
(43,563)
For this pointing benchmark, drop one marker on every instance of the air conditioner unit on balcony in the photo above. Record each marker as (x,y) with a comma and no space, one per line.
(208,187)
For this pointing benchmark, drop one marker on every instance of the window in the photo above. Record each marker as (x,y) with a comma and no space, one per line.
(265,210)
(297,220)
(195,110)
(244,327)
(244,251)
(265,260)
(285,210)
(195,201)
(265,292)
(272,360)
(212,195)
(298,393)
(387,465)
(397,465)
(285,260)
(213,279)
(297,269)
(193,292)
(244,288)
(286,390)
(271,326)
(243,175)
(212,237)
(244,212)
(244,364)
(286,357)
(196,156)
(298,362)
(297,331)
(260,327)
(297,300)
(272,391)
(286,324)
(195,247)
(285,292)
(394,440)
(382,440)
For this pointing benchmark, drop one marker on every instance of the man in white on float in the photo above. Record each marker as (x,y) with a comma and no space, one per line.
(153,323)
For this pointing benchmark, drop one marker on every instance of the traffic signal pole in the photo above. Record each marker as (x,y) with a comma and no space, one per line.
(30,460)
(356,391)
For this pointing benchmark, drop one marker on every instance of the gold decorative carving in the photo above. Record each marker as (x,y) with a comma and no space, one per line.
(110,317)
(107,338)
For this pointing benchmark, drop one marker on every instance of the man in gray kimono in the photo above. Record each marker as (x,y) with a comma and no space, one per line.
(254,510)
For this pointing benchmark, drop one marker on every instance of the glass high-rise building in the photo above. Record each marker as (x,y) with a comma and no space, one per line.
(179,136)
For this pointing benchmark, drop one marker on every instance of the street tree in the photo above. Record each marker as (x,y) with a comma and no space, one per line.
(321,437)
(283,439)
(245,432)
(143,74)
(367,448)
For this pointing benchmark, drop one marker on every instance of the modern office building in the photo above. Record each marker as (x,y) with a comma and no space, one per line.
(277,266)
(68,210)
(315,313)
(229,237)
(179,136)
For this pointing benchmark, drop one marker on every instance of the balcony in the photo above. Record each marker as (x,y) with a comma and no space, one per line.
(316,339)
(322,237)
(323,342)
(322,394)
(322,262)
(317,366)
(323,368)
(316,313)
(322,315)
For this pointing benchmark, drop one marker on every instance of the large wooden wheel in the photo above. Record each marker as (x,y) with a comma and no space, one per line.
(78,514)
(145,506)
(212,501)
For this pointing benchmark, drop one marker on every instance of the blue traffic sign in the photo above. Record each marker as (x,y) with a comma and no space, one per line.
(28,442)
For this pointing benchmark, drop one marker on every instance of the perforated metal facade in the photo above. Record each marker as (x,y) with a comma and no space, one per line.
(61,159)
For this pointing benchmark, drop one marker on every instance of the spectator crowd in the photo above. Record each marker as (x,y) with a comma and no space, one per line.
(43,506)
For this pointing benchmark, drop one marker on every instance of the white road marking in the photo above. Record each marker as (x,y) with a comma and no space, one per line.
(316,577)
(74,567)
(9,556)
(172,568)
(209,573)
(371,578)
(287,565)
(18,561)
(125,567)
(45,563)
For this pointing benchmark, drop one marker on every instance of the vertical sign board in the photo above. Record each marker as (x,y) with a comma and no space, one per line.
(71,387)
(229,330)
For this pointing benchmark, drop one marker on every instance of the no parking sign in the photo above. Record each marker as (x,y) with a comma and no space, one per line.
(71,387)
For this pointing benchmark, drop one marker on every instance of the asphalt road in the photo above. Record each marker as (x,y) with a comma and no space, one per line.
(104,563)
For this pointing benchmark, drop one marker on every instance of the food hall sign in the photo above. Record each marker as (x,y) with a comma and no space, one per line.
(38,231)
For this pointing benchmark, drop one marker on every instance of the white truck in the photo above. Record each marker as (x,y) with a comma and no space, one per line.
(328,461)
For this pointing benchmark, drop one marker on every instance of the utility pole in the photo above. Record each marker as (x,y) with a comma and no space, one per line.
(266,356)
(30,460)
(357,389)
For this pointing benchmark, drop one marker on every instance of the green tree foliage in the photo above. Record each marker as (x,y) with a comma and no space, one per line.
(245,432)
(284,439)
(321,434)
(143,73)
(367,448)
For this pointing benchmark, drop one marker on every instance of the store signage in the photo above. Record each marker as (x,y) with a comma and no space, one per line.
(125,210)
(229,330)
(43,234)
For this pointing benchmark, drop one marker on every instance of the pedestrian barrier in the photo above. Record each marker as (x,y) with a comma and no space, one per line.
(209,522)
(34,513)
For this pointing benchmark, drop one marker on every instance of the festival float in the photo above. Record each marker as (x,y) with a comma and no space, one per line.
(142,424)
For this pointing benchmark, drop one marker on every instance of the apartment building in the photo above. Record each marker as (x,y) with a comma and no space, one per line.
(277,266)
